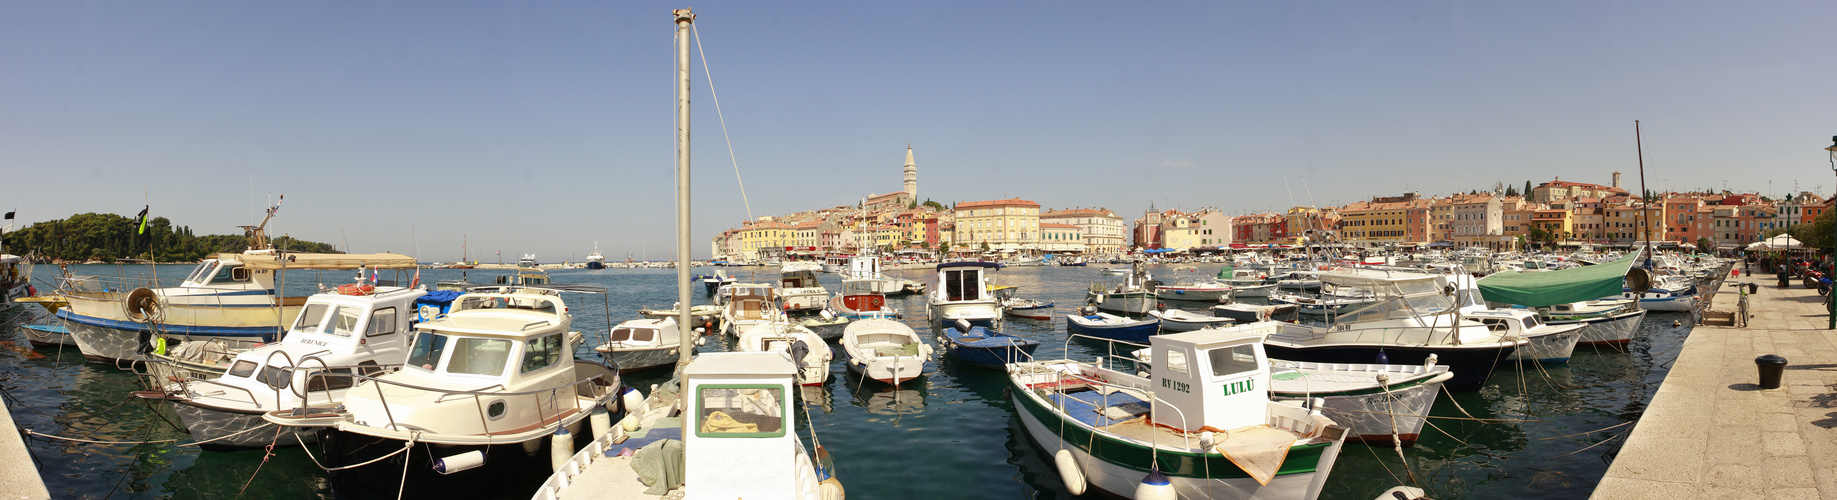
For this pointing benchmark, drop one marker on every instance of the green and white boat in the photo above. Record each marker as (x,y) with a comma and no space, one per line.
(1203,427)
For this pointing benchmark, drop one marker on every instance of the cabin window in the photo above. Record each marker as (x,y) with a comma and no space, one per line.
(277,378)
(1495,325)
(739,411)
(1233,360)
(633,335)
(428,349)
(345,320)
(242,369)
(382,322)
(203,269)
(541,352)
(1531,322)
(239,273)
(479,356)
(310,318)
(336,378)
(1176,361)
(223,273)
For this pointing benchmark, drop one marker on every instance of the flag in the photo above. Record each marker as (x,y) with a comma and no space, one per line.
(417,280)
(373,277)
(277,205)
(9,215)
(143,218)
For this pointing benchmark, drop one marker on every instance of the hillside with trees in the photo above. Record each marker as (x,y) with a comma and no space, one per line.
(107,237)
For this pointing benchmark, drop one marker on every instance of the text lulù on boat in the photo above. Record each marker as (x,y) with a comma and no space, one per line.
(1203,426)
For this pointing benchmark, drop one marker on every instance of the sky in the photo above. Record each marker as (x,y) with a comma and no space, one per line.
(544,127)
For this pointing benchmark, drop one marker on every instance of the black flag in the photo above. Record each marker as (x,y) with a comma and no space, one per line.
(143,219)
(9,216)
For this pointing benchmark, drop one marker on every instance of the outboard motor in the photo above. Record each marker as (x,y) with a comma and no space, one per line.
(963,325)
(798,351)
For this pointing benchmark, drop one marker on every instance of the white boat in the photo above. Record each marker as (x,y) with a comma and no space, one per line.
(528,261)
(746,305)
(963,294)
(1135,295)
(1176,320)
(1249,282)
(1189,286)
(1606,322)
(596,260)
(234,299)
(15,284)
(798,289)
(826,324)
(885,350)
(860,298)
(642,344)
(1676,295)
(1376,402)
(496,371)
(805,347)
(337,335)
(1203,427)
(705,315)
(1549,344)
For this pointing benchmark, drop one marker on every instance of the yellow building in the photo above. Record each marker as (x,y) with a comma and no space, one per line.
(1011,225)
(1374,224)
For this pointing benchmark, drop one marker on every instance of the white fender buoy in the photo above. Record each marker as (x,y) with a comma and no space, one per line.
(631,400)
(602,422)
(532,446)
(1155,487)
(456,463)
(629,423)
(1069,472)
(832,489)
(561,447)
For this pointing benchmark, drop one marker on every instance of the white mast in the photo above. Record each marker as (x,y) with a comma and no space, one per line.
(684,18)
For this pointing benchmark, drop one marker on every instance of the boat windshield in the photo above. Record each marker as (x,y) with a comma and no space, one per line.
(729,411)
(633,334)
(429,347)
(344,320)
(311,318)
(1398,308)
(479,356)
(199,273)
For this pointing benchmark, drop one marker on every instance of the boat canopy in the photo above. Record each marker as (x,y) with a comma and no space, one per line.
(329,261)
(1561,286)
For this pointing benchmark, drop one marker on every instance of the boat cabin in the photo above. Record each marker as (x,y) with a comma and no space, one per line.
(799,276)
(1215,380)
(338,333)
(227,271)
(862,295)
(964,281)
(748,301)
(741,408)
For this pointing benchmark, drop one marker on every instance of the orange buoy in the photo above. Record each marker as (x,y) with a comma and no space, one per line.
(356,289)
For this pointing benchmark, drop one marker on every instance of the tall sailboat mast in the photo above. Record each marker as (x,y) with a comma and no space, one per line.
(684,18)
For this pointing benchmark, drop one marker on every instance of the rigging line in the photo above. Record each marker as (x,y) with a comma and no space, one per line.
(693,31)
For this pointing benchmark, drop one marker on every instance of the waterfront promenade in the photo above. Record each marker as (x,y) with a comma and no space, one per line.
(1711,432)
(18,475)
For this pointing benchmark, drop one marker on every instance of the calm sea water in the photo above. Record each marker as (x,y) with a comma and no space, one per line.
(1530,433)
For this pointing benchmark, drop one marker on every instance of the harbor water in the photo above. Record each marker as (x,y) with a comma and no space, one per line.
(1537,432)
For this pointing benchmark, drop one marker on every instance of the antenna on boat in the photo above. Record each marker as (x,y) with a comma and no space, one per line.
(1644,205)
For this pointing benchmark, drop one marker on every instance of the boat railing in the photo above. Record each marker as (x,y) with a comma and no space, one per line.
(1106,386)
(596,388)
(1110,347)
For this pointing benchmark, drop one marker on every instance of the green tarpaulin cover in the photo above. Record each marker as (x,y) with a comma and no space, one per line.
(1562,286)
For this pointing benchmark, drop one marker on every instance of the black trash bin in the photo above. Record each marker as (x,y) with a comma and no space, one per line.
(1753,288)
(1771,367)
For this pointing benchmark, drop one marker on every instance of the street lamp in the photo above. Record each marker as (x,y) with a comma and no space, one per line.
(1831,301)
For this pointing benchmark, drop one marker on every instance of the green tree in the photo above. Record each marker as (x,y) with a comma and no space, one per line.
(1816,234)
(1527,188)
(1704,244)
(934,205)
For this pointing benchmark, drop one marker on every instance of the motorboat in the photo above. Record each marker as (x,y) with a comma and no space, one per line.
(1134,295)
(747,305)
(596,260)
(798,289)
(15,284)
(1177,320)
(1299,281)
(706,316)
(1378,403)
(528,261)
(1248,282)
(235,299)
(963,293)
(1667,295)
(1109,326)
(642,344)
(1250,313)
(983,347)
(1330,300)
(335,336)
(1549,344)
(1205,407)
(1606,322)
(861,298)
(1027,308)
(46,330)
(805,347)
(1188,286)
(1411,319)
(717,280)
(826,324)
(497,372)
(885,350)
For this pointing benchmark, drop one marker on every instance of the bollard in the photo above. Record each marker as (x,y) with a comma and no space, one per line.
(1771,367)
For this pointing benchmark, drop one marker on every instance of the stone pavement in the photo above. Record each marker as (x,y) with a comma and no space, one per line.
(1711,432)
(18,474)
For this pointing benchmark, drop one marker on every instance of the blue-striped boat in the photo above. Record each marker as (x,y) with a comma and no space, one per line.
(1110,326)
(986,348)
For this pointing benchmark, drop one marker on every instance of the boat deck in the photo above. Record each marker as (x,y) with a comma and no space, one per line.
(612,478)
(1712,432)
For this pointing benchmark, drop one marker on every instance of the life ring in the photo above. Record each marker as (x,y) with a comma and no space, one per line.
(356,289)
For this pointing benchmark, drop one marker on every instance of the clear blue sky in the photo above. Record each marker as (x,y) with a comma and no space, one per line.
(546,126)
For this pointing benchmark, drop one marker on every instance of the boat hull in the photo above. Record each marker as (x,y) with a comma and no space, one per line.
(229,429)
(1127,302)
(1040,312)
(1137,333)
(992,351)
(47,335)
(1118,467)
(107,340)
(1608,331)
(637,360)
(1471,364)
(985,314)
(1554,348)
(1373,416)
(1192,294)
